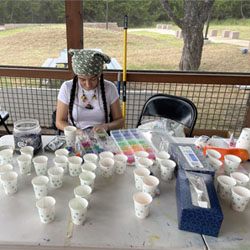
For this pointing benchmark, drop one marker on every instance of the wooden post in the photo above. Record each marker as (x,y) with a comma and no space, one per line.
(74,26)
(247,121)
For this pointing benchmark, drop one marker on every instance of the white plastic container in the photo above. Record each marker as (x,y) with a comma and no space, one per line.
(27,132)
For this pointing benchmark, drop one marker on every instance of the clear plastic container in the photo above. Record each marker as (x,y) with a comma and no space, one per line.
(27,132)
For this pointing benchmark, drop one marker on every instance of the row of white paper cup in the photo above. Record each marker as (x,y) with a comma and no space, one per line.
(148,184)
(232,189)
(231,162)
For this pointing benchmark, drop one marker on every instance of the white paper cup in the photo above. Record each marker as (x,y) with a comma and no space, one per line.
(90,157)
(161,155)
(40,186)
(78,209)
(142,203)
(56,177)
(74,165)
(46,209)
(88,166)
(87,178)
(215,163)
(241,179)
(62,152)
(83,191)
(61,161)
(225,183)
(24,163)
(139,174)
(120,163)
(70,135)
(231,163)
(5,168)
(145,163)
(150,184)
(240,198)
(167,169)
(9,182)
(6,156)
(27,150)
(140,154)
(106,154)
(106,166)
(212,153)
(40,164)
(244,139)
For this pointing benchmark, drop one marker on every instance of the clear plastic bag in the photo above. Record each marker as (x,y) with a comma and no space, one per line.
(173,128)
(198,190)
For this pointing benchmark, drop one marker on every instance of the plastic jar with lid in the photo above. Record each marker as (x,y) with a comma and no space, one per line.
(27,132)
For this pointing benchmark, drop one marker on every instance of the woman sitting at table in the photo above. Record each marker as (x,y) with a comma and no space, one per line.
(88,99)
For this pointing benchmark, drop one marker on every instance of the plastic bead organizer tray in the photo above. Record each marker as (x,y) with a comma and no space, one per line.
(98,142)
(130,141)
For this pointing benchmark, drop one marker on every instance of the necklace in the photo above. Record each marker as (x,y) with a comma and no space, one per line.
(86,100)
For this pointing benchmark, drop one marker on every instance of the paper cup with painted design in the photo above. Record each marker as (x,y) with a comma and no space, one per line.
(78,209)
(240,198)
(90,157)
(231,163)
(139,174)
(87,178)
(40,186)
(142,203)
(56,176)
(106,166)
(24,163)
(88,166)
(46,209)
(167,169)
(61,161)
(120,163)
(9,182)
(83,191)
(27,150)
(70,135)
(225,184)
(74,165)
(150,184)
(40,164)
(241,179)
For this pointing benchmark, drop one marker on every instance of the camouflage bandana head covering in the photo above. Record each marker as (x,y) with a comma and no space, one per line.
(88,62)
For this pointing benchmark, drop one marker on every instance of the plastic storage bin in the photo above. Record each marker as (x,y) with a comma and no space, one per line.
(131,140)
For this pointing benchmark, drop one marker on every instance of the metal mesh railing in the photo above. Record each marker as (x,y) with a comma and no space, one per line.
(29,98)
(222,107)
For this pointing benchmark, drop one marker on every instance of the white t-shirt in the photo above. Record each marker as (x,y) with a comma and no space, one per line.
(82,116)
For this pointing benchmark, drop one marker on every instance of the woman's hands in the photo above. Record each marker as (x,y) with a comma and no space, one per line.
(104,126)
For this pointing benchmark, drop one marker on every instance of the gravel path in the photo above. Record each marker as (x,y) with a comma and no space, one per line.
(218,39)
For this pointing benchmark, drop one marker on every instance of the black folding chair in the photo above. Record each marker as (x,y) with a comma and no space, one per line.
(4,115)
(58,131)
(176,108)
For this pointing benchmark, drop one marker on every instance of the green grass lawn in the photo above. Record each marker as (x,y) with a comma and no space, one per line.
(31,46)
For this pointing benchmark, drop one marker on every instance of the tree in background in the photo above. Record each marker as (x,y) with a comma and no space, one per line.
(231,9)
(195,14)
(140,12)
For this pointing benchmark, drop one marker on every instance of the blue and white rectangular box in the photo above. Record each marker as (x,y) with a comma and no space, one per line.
(188,157)
(195,218)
